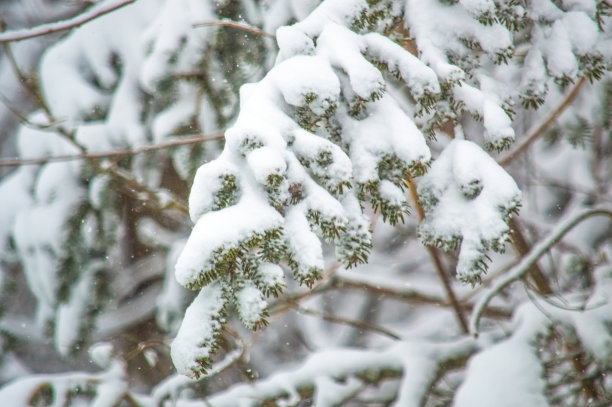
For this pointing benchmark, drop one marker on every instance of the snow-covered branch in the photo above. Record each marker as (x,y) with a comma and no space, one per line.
(517,272)
(330,376)
(94,12)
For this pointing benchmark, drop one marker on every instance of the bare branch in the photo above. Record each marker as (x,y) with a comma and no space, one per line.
(539,129)
(349,322)
(519,271)
(522,248)
(50,28)
(175,142)
(237,25)
(435,258)
(159,200)
(142,346)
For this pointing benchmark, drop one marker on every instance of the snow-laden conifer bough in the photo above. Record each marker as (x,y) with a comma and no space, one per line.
(349,102)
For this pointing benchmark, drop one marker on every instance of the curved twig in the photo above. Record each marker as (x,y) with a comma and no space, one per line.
(539,130)
(50,28)
(519,271)
(237,25)
(142,346)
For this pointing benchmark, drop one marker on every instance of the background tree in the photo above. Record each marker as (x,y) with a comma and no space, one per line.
(163,214)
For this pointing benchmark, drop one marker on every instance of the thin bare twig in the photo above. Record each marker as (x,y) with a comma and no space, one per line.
(349,322)
(58,26)
(142,346)
(522,247)
(114,153)
(22,116)
(536,132)
(30,85)
(408,295)
(403,294)
(160,200)
(519,271)
(237,25)
(25,80)
(435,258)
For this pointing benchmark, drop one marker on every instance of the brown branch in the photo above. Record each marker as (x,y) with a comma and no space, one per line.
(518,240)
(405,295)
(237,25)
(289,301)
(410,296)
(435,258)
(142,346)
(22,116)
(114,153)
(349,322)
(26,81)
(131,187)
(31,86)
(539,130)
(58,26)
(523,248)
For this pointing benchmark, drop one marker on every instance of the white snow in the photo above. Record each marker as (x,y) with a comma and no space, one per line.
(506,375)
(195,337)
(342,48)
(303,244)
(386,130)
(469,188)
(302,76)
(250,304)
(225,228)
(101,353)
(206,185)
(419,77)
(270,274)
(264,162)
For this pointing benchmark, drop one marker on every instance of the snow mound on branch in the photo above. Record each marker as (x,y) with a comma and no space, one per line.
(467,198)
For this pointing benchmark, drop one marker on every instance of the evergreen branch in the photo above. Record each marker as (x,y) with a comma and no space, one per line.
(538,130)
(237,25)
(58,26)
(519,271)
(128,185)
(169,387)
(179,141)
(349,322)
(435,258)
